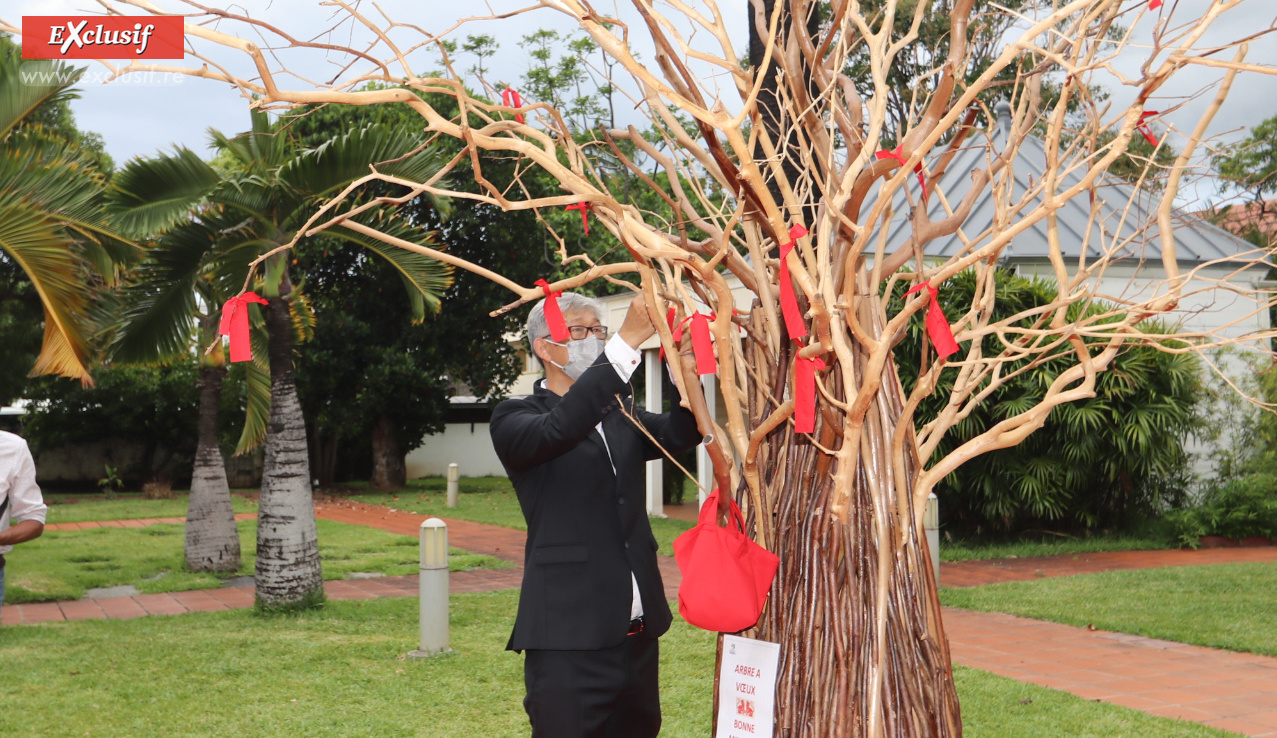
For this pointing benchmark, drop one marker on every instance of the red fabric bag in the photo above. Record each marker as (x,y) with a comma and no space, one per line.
(726,576)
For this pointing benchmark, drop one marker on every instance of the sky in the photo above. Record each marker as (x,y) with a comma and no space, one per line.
(140,115)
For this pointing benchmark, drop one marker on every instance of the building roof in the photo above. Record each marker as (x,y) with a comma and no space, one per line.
(1131,234)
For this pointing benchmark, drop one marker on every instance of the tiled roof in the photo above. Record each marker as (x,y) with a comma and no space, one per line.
(1130,233)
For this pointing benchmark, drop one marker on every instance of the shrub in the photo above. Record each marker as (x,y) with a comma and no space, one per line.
(1244,507)
(1106,462)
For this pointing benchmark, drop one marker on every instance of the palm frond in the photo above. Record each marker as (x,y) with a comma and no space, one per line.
(424,278)
(34,243)
(259,151)
(150,195)
(26,85)
(257,375)
(342,160)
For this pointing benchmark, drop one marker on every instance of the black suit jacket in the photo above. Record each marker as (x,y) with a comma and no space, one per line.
(587,527)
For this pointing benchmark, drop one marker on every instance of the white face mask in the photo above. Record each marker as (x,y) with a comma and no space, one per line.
(581,355)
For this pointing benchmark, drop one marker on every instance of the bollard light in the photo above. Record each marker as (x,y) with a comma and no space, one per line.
(454,479)
(931,523)
(434,589)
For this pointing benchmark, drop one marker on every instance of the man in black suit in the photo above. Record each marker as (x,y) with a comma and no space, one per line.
(592,603)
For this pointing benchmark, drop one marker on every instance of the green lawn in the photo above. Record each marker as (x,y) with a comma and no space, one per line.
(61,565)
(342,671)
(77,508)
(488,500)
(960,550)
(1229,606)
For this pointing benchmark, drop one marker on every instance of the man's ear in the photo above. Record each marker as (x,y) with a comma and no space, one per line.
(540,349)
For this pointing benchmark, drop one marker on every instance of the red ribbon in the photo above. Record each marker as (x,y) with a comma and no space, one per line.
(553,315)
(788,302)
(1154,4)
(702,346)
(898,154)
(235,325)
(585,208)
(1144,129)
(511,99)
(702,343)
(937,325)
(805,393)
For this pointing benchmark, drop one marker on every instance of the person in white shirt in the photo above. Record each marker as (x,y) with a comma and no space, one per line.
(22,508)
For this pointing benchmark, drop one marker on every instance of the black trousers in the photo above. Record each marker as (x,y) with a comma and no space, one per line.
(612,693)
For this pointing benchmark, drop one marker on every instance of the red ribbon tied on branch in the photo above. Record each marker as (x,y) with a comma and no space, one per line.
(805,393)
(702,342)
(585,209)
(788,302)
(235,325)
(1144,129)
(511,99)
(553,315)
(1154,4)
(937,325)
(898,154)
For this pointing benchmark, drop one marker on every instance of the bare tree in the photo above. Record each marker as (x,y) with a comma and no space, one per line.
(786,190)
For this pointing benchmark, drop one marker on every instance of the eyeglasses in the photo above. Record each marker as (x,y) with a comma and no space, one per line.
(581,331)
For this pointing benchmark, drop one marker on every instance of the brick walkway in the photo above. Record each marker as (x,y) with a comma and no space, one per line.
(1223,689)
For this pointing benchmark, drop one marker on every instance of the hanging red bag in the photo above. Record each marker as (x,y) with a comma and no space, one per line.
(726,576)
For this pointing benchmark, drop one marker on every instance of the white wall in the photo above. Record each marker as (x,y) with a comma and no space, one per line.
(466,444)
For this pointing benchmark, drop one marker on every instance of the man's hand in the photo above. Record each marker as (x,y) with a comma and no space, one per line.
(637,327)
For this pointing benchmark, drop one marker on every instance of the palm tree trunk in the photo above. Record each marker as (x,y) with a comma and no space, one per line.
(288,568)
(212,540)
(388,468)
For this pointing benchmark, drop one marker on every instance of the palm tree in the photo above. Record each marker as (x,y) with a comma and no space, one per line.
(169,304)
(269,189)
(52,222)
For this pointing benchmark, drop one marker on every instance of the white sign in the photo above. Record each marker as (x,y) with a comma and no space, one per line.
(747,688)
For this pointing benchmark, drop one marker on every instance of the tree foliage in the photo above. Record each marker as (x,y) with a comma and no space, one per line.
(1103,462)
(406,370)
(1250,166)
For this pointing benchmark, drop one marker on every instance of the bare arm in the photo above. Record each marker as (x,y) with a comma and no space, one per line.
(21,532)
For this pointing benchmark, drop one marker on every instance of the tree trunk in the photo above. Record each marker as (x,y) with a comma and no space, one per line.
(854,605)
(288,568)
(212,540)
(388,468)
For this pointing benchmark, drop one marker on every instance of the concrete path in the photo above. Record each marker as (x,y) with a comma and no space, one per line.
(1227,690)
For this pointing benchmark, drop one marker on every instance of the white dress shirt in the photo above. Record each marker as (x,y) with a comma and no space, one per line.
(17,484)
(625,359)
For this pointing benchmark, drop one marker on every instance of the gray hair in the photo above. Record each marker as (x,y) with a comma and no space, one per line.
(569,302)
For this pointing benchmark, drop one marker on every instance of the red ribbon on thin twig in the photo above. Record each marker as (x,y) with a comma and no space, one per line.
(585,209)
(937,325)
(511,99)
(805,393)
(1144,129)
(788,302)
(898,154)
(702,343)
(1154,4)
(553,315)
(235,325)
